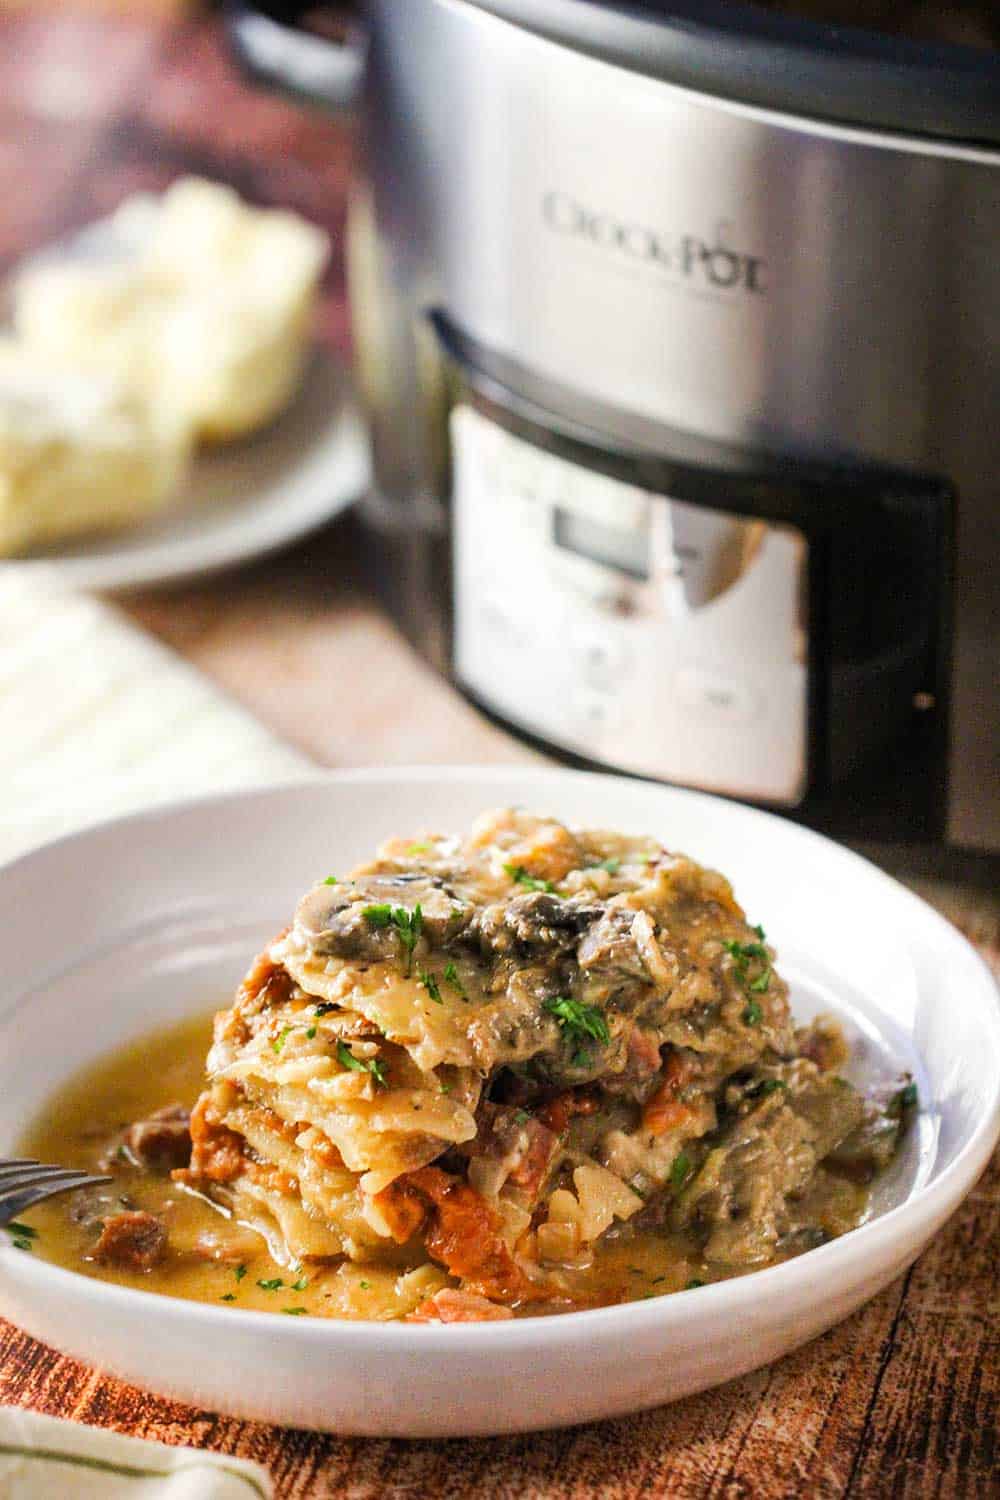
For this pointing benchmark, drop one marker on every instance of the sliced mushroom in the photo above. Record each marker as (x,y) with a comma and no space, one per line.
(348,919)
(533,924)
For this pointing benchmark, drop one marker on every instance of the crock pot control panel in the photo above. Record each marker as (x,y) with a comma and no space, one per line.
(632,628)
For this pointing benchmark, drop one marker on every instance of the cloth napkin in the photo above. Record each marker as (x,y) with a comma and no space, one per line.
(44,1457)
(100,719)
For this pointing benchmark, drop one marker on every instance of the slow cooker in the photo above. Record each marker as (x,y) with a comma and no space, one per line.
(677,326)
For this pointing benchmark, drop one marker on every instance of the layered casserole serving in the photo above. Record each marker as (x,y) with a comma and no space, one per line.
(527,1070)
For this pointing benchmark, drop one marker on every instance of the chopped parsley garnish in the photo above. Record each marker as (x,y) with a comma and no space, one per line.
(331,880)
(379,915)
(323,1009)
(577,1020)
(419,849)
(301,1284)
(365,1286)
(753,1015)
(693,1284)
(905,1099)
(20,1244)
(280,1039)
(451,977)
(240,1272)
(310,1033)
(274,1285)
(430,984)
(741,954)
(295,1312)
(408,924)
(611,865)
(23,1231)
(522,1117)
(520,876)
(228,1297)
(765,1087)
(680,1171)
(371,1065)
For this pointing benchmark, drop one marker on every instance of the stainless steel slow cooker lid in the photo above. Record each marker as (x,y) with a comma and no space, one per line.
(780,62)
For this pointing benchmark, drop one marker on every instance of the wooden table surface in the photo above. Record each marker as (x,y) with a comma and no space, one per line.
(900,1400)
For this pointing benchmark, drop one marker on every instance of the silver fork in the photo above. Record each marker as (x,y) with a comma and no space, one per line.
(24,1182)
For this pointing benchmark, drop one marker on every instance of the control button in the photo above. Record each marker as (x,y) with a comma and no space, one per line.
(600,658)
(716,696)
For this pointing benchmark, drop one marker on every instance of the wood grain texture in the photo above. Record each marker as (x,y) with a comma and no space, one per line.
(900,1400)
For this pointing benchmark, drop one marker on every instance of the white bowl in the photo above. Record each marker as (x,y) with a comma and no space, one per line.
(140,922)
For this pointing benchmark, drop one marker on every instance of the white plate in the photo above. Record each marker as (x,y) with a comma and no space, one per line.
(142,921)
(242,499)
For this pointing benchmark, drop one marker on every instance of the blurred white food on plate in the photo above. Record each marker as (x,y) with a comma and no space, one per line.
(201,303)
(79,451)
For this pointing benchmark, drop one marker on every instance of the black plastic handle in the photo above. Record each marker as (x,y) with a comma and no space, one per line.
(312,68)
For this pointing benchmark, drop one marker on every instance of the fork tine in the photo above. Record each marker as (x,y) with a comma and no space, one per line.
(27,1174)
(50,1181)
(16,1164)
(14,1201)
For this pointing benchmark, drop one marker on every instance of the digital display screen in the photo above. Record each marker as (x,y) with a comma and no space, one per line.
(612,546)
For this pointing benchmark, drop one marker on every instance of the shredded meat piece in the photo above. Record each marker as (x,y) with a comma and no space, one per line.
(460,1230)
(663,970)
(531,1171)
(133,1241)
(217,1152)
(274,1179)
(520,1148)
(823,1043)
(665,1111)
(266,983)
(642,1067)
(452,1306)
(557,1112)
(163,1141)
(325,1152)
